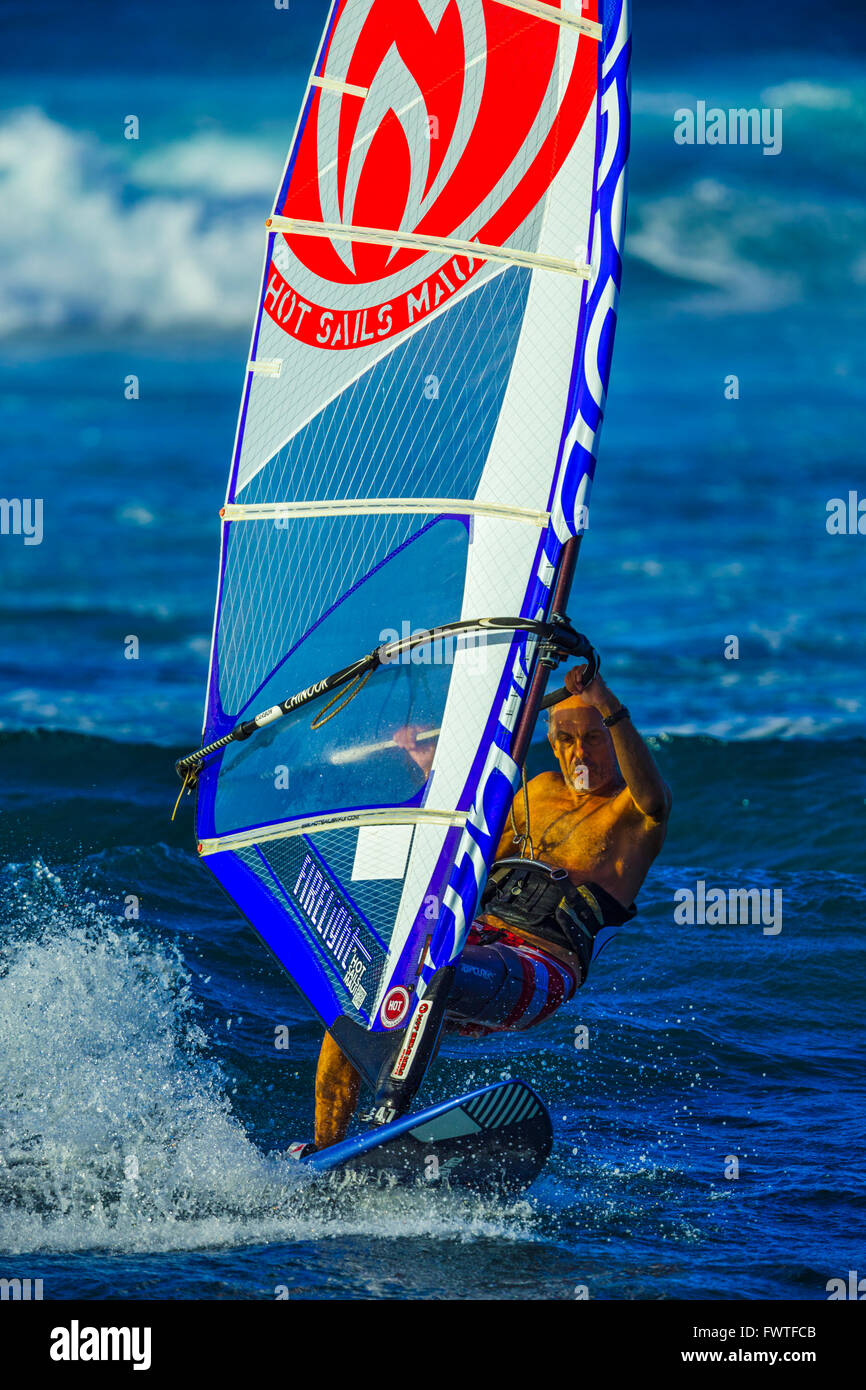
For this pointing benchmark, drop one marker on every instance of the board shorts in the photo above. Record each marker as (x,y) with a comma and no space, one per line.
(503,984)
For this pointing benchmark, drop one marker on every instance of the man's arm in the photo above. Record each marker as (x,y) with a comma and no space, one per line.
(649,791)
(508,845)
(406,738)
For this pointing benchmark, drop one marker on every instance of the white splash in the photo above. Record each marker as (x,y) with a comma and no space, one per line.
(117,1132)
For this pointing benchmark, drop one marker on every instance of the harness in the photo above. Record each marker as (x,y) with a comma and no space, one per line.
(542,899)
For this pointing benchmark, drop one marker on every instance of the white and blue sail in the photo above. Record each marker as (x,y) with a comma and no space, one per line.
(416,443)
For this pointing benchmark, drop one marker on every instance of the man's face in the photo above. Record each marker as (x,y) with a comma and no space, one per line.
(583,746)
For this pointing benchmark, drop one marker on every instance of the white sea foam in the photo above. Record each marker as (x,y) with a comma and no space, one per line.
(211,163)
(83,244)
(710,235)
(117,1131)
(645,102)
(171,238)
(811,96)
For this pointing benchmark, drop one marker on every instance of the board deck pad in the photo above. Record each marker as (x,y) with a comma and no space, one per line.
(496,1139)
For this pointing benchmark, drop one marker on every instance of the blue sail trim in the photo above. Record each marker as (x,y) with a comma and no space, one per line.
(490,805)
(608,282)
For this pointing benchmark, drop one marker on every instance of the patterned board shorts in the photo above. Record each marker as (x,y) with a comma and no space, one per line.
(504,985)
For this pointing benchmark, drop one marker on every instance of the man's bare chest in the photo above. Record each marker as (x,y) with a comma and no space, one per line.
(580,838)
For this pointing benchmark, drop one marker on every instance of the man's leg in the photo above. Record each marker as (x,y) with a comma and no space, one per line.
(504,984)
(337,1087)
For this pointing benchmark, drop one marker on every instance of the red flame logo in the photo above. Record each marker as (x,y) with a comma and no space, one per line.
(455,93)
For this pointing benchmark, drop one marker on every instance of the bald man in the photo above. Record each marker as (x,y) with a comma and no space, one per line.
(578,845)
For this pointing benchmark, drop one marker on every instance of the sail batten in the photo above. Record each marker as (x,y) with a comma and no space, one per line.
(414,241)
(358,506)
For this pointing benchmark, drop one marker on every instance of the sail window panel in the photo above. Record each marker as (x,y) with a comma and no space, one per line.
(296,651)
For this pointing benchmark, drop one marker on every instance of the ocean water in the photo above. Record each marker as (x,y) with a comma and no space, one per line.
(143,1106)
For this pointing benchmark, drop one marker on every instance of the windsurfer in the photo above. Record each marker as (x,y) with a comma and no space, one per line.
(578,845)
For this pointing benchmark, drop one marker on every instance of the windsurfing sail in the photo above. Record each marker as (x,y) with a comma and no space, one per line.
(415,446)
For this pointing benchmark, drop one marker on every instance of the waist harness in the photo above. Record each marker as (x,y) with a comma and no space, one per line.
(541,899)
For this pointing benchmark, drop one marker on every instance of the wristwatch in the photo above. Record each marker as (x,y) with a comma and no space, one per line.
(618,714)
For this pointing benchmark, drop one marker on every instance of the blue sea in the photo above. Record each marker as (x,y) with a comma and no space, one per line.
(710,1137)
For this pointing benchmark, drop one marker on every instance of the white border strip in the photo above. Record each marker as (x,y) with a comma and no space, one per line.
(266,366)
(270,511)
(333,84)
(568,21)
(341,820)
(440,245)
